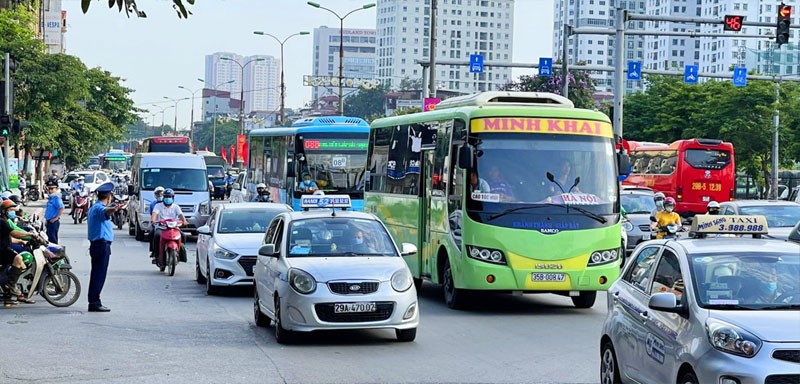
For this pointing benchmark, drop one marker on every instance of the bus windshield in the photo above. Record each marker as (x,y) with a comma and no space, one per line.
(549,172)
(334,161)
(707,158)
(177,179)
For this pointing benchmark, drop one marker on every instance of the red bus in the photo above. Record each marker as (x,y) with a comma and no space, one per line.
(178,144)
(692,171)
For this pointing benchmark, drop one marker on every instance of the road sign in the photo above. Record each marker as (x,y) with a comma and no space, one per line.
(476,63)
(740,77)
(545,66)
(635,70)
(690,74)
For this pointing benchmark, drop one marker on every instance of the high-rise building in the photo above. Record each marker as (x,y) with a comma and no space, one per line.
(463,27)
(219,72)
(359,57)
(597,49)
(671,52)
(262,84)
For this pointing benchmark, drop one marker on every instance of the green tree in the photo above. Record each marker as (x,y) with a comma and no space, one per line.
(581,86)
(227,132)
(366,103)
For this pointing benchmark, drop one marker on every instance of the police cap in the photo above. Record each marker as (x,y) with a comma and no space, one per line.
(105,187)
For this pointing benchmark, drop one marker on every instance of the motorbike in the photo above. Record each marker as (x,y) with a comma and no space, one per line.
(81,207)
(48,273)
(120,217)
(669,231)
(33,192)
(170,248)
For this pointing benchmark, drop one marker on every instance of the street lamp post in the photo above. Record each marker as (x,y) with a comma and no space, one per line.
(214,133)
(191,118)
(163,109)
(175,127)
(341,46)
(283,84)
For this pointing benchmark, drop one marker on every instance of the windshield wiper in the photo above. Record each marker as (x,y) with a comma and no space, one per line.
(511,210)
(637,212)
(585,212)
(784,306)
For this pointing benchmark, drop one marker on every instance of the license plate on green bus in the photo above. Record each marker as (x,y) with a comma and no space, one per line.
(548,276)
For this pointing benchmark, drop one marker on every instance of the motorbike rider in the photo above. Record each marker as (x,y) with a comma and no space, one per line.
(165,210)
(262,193)
(77,188)
(159,197)
(12,262)
(712,208)
(666,217)
(22,184)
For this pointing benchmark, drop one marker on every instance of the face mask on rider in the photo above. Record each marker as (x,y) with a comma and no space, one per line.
(660,204)
(160,198)
(13,215)
(168,201)
(670,209)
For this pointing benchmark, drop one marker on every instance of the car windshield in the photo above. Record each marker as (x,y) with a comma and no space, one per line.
(215,171)
(251,220)
(777,215)
(333,160)
(88,178)
(746,280)
(333,236)
(635,203)
(177,179)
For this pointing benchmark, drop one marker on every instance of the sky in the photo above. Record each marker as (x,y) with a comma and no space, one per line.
(157,54)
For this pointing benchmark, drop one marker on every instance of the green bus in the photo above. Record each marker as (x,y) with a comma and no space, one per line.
(501,191)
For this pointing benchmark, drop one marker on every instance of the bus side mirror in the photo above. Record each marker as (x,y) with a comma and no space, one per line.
(290,167)
(624,165)
(466,155)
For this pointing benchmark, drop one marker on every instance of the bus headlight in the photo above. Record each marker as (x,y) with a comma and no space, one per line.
(302,281)
(603,257)
(488,255)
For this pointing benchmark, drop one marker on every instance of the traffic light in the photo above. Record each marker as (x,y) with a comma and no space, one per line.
(18,126)
(5,125)
(782,30)
(3,97)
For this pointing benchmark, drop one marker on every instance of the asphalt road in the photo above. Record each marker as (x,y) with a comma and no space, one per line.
(167,330)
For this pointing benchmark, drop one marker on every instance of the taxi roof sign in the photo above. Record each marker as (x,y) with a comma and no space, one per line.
(730,224)
(325,201)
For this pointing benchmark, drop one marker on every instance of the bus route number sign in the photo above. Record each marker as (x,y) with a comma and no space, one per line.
(339,162)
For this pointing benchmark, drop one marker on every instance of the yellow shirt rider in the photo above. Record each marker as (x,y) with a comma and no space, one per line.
(666,217)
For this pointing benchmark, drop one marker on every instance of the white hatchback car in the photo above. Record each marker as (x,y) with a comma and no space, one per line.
(332,269)
(722,309)
(228,244)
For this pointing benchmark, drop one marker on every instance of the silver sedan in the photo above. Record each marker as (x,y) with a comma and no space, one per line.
(320,271)
(228,244)
(712,310)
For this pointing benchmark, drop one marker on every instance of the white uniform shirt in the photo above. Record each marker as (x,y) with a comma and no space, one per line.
(164,212)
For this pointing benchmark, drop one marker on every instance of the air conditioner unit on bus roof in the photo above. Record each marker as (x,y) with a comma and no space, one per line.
(507,98)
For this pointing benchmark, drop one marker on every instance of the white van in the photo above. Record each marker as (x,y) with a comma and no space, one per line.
(183,172)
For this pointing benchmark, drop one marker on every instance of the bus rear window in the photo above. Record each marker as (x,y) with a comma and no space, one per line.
(708,158)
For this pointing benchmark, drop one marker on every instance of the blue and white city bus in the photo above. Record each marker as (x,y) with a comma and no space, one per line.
(331,149)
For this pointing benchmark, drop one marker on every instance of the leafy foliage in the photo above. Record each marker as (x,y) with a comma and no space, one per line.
(581,86)
(130,7)
(366,103)
(671,110)
(227,130)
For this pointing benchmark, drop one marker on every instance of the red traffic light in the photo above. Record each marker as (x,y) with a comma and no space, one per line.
(784,11)
(733,23)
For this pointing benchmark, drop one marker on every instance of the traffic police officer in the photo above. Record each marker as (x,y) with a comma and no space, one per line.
(101,234)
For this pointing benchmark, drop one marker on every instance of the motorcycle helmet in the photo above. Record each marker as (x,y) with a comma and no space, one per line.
(15,199)
(5,195)
(261,187)
(659,196)
(713,208)
(159,189)
(6,205)
(169,192)
(27,258)
(669,202)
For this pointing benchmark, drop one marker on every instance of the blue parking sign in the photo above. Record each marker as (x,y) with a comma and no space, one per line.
(740,77)
(476,63)
(634,70)
(545,66)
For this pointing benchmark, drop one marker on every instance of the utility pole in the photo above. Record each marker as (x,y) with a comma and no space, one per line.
(621,16)
(774,192)
(564,60)
(432,51)
(7,110)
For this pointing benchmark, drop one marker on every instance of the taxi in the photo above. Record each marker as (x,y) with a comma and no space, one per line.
(329,268)
(722,307)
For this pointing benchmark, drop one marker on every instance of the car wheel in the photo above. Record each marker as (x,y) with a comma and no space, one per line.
(131,229)
(585,300)
(689,378)
(282,335)
(260,318)
(406,335)
(609,369)
(198,275)
(453,297)
(139,232)
(211,290)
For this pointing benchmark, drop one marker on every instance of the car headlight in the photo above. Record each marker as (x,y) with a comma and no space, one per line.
(627,226)
(732,339)
(205,207)
(603,257)
(222,253)
(302,281)
(488,255)
(401,280)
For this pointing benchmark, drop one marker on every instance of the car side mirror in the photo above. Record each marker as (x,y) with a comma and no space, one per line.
(130,190)
(466,155)
(236,186)
(408,249)
(204,230)
(267,250)
(665,302)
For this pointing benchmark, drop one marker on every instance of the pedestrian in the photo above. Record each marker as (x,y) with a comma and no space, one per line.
(52,213)
(101,234)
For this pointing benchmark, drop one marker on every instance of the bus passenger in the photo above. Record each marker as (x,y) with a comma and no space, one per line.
(498,184)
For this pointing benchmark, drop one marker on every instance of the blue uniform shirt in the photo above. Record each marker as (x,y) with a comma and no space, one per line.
(100,223)
(54,204)
(153,204)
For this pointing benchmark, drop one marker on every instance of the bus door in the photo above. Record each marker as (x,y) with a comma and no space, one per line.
(424,221)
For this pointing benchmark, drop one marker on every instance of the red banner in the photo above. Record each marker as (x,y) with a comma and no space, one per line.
(223,154)
(232,155)
(241,140)
(245,153)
